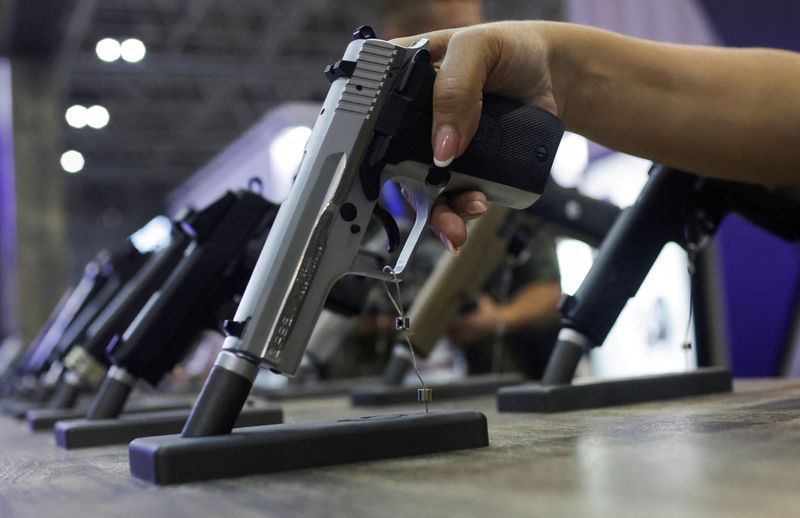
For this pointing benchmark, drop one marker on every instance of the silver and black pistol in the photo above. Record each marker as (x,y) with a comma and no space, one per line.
(374,127)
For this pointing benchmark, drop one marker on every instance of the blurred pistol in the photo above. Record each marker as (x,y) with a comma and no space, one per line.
(375,126)
(213,269)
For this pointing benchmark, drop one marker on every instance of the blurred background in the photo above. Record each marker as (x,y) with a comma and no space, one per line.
(115,111)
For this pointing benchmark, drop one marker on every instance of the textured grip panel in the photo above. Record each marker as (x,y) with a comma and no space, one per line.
(515,145)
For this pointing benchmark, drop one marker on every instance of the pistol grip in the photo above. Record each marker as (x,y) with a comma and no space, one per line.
(511,154)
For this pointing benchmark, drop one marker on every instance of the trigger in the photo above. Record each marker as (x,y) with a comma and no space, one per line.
(389,226)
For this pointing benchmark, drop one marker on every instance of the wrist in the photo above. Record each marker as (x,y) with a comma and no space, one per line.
(577,76)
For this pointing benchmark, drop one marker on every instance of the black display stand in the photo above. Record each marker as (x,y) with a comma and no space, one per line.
(477,385)
(674,206)
(85,433)
(312,389)
(44,419)
(174,459)
(19,408)
(596,394)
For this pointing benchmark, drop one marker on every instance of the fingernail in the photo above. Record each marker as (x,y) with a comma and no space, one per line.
(476,208)
(445,145)
(453,250)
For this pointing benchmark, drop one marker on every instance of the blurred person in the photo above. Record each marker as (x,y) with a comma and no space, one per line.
(404,18)
(515,322)
(726,113)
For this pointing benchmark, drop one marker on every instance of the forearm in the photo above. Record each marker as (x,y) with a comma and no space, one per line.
(534,305)
(730,113)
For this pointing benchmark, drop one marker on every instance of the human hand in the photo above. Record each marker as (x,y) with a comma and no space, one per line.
(511,59)
(482,322)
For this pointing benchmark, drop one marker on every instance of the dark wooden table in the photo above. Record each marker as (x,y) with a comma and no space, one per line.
(725,455)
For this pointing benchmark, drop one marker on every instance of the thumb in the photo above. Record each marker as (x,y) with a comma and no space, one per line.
(458,92)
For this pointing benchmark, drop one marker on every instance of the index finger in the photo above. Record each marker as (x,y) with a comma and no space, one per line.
(437,42)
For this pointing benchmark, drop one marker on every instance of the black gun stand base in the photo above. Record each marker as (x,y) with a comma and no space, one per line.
(311,389)
(390,389)
(562,397)
(174,459)
(210,448)
(87,433)
(46,418)
(476,385)
(673,206)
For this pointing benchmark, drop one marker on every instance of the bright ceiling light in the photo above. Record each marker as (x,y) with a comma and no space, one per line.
(76,116)
(133,50)
(97,116)
(108,49)
(72,161)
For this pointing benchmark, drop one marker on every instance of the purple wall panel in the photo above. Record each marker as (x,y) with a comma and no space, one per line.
(675,21)
(8,251)
(756,23)
(762,275)
(761,272)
